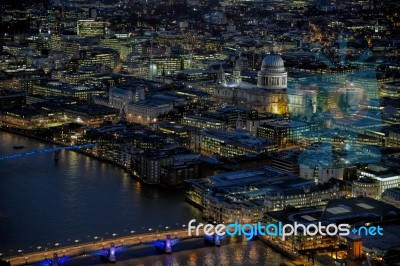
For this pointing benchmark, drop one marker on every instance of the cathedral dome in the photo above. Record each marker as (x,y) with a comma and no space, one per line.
(272,61)
(272,74)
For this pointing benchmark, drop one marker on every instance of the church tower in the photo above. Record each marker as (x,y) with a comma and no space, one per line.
(236,75)
(221,76)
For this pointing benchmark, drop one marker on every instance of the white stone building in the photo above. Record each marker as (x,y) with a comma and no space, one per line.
(269,95)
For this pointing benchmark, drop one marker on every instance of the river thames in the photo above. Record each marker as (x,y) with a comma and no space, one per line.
(44,204)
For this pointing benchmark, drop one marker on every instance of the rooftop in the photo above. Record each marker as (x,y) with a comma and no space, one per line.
(204,119)
(358,211)
(389,240)
(284,124)
(354,211)
(238,137)
(91,109)
(63,86)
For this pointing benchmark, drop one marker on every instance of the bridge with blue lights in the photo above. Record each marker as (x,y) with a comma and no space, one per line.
(109,248)
(57,149)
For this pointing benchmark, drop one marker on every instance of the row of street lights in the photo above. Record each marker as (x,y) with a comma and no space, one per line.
(96,238)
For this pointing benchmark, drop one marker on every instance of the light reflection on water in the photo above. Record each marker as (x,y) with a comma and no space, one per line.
(43,203)
(195,252)
(78,198)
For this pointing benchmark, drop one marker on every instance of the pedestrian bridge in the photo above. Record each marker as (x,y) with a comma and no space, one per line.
(57,149)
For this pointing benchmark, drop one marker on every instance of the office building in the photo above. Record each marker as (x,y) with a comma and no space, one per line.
(233,143)
(88,28)
(374,180)
(283,132)
(245,194)
(55,89)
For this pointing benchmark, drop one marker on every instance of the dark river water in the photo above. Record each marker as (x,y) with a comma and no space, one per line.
(43,204)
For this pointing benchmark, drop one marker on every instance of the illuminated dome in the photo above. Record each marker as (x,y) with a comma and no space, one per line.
(273,61)
(272,74)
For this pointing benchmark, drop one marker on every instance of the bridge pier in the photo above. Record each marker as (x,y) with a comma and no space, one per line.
(217,240)
(110,254)
(54,261)
(168,245)
(213,239)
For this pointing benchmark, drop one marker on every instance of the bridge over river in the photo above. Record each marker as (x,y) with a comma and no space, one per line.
(89,248)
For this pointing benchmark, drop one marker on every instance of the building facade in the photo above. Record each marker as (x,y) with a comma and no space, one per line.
(283,132)
(269,95)
(87,28)
(380,178)
(392,196)
(233,143)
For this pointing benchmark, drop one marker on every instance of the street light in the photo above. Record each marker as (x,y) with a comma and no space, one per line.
(38,247)
(56,244)
(76,240)
(132,232)
(166,228)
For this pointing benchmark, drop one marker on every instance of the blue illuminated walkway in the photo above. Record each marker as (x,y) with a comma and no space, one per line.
(25,154)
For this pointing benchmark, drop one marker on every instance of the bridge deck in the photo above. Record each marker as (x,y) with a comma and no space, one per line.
(85,248)
(25,154)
